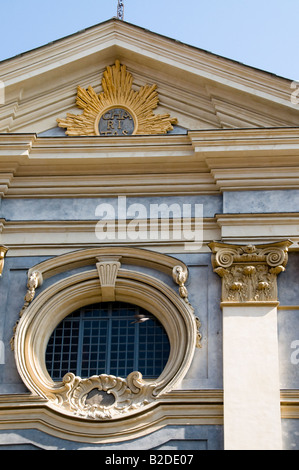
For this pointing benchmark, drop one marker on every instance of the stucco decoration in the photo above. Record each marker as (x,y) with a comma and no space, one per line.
(3,251)
(103,397)
(249,273)
(180,277)
(108,268)
(35,279)
(118,110)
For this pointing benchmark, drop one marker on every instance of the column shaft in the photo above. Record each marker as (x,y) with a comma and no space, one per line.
(251,379)
(250,343)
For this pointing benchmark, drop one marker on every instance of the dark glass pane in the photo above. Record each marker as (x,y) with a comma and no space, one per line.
(62,343)
(104,339)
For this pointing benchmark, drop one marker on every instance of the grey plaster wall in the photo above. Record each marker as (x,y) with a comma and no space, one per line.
(290,434)
(288,324)
(85,208)
(288,336)
(12,292)
(204,289)
(169,438)
(205,371)
(261,201)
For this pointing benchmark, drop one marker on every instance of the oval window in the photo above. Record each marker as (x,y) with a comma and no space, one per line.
(113,338)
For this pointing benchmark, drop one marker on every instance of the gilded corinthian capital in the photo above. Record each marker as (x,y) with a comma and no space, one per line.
(249,273)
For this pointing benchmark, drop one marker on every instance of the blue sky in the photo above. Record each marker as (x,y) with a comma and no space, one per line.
(260,33)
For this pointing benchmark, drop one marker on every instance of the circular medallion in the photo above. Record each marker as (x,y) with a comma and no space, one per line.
(116,121)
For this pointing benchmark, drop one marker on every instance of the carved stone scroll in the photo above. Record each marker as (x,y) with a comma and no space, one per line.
(35,279)
(249,273)
(107,270)
(180,277)
(103,396)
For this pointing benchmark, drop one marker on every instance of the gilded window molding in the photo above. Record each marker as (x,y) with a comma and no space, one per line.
(249,272)
(107,279)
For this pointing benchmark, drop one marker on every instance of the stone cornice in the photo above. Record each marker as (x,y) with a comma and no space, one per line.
(211,141)
(202,162)
(201,89)
(200,406)
(257,227)
(58,237)
(174,53)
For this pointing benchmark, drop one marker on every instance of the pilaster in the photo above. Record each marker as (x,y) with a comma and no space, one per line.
(249,303)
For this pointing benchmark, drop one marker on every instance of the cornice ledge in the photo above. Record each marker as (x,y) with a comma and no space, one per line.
(59,52)
(114,33)
(289,404)
(27,411)
(244,136)
(18,139)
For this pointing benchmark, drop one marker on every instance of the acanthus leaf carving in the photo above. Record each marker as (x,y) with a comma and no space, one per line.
(249,273)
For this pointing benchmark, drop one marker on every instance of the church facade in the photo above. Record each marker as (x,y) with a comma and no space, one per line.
(149,248)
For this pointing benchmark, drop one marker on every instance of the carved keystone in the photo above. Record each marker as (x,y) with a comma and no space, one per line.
(107,269)
(249,273)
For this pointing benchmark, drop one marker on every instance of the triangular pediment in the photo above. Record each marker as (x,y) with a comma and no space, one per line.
(201,90)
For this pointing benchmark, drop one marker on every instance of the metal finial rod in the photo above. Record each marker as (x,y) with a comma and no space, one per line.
(120,10)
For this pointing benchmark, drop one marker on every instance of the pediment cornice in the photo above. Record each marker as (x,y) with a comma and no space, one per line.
(203,90)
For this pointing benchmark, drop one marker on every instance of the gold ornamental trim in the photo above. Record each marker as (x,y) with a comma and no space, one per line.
(249,273)
(119,102)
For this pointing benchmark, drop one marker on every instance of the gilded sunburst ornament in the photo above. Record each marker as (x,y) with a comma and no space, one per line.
(118,109)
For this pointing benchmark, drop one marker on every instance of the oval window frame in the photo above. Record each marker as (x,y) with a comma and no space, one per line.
(57,301)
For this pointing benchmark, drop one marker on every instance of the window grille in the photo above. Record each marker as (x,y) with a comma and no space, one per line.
(105,339)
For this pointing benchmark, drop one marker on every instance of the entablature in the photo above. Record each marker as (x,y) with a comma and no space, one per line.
(201,162)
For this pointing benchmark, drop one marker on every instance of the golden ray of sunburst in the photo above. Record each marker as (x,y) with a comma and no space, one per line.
(117,92)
